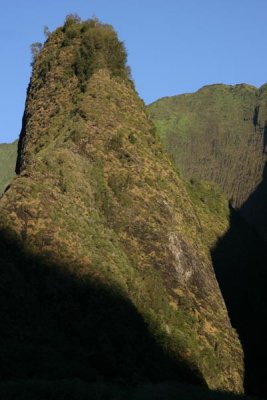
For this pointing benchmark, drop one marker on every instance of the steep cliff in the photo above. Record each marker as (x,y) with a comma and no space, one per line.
(104,269)
(217,134)
(8,155)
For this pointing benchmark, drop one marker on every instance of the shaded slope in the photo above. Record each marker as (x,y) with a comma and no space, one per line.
(80,390)
(57,326)
(8,155)
(239,260)
(217,134)
(98,200)
(255,208)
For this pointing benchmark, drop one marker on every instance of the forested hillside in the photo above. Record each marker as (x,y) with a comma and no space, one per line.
(217,134)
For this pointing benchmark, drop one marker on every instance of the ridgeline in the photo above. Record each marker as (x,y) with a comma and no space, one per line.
(217,134)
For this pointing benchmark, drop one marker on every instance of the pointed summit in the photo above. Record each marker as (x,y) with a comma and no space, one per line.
(112,275)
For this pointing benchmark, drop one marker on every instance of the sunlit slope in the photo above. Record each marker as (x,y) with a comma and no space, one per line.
(217,134)
(109,272)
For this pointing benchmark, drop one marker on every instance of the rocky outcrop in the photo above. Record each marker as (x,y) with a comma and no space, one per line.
(108,266)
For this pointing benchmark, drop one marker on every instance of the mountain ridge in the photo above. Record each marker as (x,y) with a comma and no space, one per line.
(209,132)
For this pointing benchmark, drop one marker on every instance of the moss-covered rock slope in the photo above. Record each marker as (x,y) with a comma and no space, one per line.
(105,272)
(217,134)
(8,155)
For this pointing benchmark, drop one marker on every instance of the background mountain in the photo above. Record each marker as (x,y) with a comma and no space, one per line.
(217,134)
(8,156)
(105,275)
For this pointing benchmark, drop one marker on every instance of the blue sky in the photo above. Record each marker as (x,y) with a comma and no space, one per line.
(174,46)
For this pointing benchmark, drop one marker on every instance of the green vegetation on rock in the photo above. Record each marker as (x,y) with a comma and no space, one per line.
(217,134)
(212,210)
(106,274)
(8,155)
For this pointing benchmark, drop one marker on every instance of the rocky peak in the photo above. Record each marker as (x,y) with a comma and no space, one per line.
(98,199)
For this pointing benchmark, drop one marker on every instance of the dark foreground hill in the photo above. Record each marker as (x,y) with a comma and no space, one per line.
(104,273)
(8,155)
(217,134)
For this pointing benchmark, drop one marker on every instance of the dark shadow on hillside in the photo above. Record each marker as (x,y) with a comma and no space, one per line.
(255,208)
(55,326)
(63,338)
(265,139)
(22,135)
(79,390)
(21,142)
(240,262)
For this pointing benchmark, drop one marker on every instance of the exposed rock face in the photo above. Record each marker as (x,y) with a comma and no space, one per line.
(8,155)
(217,134)
(98,199)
